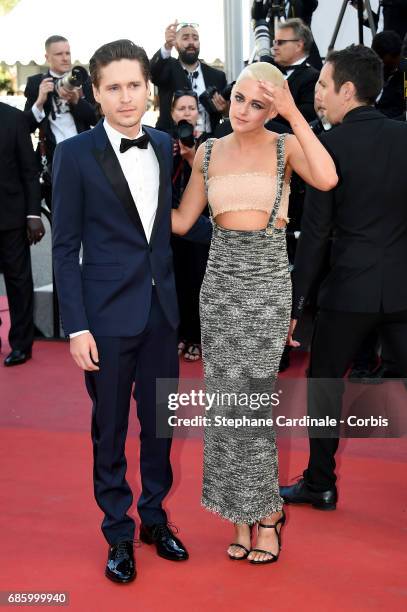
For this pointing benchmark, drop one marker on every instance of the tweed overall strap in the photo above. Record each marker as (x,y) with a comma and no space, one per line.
(280,181)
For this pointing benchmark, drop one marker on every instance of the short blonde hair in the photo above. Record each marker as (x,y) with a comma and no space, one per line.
(262,71)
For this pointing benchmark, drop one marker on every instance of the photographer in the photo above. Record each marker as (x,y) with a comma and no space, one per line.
(170,74)
(189,257)
(58,111)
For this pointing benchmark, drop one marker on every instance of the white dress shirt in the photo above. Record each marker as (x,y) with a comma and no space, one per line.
(142,172)
(297,63)
(198,85)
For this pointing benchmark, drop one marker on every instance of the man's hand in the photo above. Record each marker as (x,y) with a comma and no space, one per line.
(46,86)
(170,35)
(291,329)
(219,102)
(72,97)
(84,352)
(35,230)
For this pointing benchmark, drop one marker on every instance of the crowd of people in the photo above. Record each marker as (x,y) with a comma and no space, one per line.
(201,254)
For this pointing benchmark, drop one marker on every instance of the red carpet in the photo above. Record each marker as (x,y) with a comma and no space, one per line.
(351,559)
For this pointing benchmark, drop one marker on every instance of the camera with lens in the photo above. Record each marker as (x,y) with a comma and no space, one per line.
(265,14)
(206,97)
(73,80)
(185,133)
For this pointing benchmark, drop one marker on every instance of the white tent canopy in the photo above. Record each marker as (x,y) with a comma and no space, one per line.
(90,23)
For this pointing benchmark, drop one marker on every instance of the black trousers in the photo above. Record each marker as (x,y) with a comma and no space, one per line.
(337,336)
(15,263)
(190,259)
(143,358)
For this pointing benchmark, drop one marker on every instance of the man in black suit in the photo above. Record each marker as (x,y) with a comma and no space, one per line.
(57,112)
(366,215)
(186,72)
(291,48)
(20,226)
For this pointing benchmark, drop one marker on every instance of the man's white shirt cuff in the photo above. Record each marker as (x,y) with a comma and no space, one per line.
(79,333)
(38,115)
(165,54)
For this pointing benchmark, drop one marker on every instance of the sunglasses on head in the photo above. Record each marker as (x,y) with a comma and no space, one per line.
(184,24)
(184,92)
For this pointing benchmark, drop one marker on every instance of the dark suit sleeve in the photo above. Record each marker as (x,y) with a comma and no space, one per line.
(67,211)
(31,94)
(85,110)
(312,246)
(28,167)
(160,69)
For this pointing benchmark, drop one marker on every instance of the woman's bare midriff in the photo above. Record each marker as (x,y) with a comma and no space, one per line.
(247,220)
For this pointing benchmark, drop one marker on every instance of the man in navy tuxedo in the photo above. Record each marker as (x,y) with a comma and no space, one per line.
(112,194)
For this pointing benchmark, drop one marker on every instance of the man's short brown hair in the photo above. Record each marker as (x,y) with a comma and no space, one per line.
(54,39)
(115,51)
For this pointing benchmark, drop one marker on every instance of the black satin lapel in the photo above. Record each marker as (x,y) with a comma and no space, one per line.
(114,174)
(160,204)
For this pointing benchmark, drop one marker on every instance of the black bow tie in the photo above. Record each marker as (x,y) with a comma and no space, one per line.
(141,143)
(191,75)
(285,69)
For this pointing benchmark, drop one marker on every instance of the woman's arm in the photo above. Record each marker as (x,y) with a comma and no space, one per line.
(193,200)
(305,153)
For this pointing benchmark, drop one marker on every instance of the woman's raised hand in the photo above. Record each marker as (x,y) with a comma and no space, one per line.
(280,98)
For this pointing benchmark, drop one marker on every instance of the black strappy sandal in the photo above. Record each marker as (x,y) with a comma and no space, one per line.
(274,558)
(247,552)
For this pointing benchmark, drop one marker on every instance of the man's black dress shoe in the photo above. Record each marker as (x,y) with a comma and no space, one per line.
(373,377)
(17,358)
(167,544)
(299,493)
(358,375)
(121,566)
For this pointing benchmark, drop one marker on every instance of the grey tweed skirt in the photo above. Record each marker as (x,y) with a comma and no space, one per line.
(245,306)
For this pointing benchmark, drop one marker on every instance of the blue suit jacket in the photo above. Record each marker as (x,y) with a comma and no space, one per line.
(93,206)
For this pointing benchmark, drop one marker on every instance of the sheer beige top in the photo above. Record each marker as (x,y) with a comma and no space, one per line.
(248,191)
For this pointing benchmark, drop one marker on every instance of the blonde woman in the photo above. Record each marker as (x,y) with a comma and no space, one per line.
(245,298)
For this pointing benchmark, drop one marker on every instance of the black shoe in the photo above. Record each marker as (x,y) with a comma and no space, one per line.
(167,544)
(360,375)
(17,357)
(121,566)
(374,377)
(301,494)
(272,558)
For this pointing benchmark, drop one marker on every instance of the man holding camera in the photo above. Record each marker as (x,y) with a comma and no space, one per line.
(187,72)
(59,112)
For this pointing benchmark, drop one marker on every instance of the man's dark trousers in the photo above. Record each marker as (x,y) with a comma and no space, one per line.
(336,339)
(150,355)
